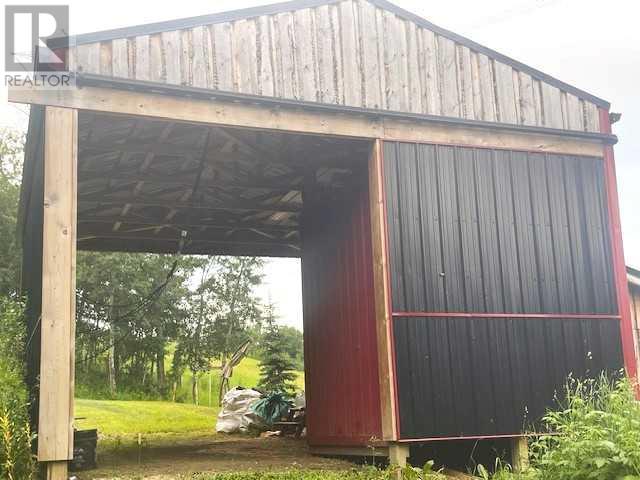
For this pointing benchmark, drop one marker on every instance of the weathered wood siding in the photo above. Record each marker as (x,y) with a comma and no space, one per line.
(348,53)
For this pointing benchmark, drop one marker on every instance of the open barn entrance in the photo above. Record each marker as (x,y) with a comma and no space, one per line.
(141,182)
(158,186)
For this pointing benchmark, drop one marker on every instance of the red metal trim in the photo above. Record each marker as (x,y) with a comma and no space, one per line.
(390,333)
(473,437)
(619,268)
(484,147)
(577,316)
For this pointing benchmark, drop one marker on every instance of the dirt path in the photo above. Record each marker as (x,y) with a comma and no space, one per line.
(171,458)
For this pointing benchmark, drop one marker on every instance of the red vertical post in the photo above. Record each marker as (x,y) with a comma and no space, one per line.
(619,267)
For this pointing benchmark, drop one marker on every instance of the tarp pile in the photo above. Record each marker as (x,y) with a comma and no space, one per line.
(245,409)
(236,414)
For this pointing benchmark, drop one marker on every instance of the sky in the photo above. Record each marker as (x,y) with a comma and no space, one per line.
(590,44)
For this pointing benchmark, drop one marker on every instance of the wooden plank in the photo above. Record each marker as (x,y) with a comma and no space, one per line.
(106,62)
(224,56)
(350,55)
(305,55)
(219,112)
(381,288)
(380,42)
(395,63)
(414,88)
(575,114)
(487,89)
(591,117)
(430,55)
(142,68)
(120,57)
(244,56)
(56,471)
(475,86)
(551,106)
(172,48)
(285,51)
(447,72)
(370,63)
(185,59)
(156,67)
(55,429)
(527,100)
(465,76)
(201,55)
(265,57)
(505,92)
(325,44)
(88,58)
(334,16)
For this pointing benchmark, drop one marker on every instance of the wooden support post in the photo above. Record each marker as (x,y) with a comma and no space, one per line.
(55,429)
(398,455)
(519,454)
(386,372)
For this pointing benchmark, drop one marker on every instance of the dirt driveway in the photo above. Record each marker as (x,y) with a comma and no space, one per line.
(169,458)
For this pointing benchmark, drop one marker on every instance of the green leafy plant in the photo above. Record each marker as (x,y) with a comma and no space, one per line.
(16,460)
(427,472)
(597,433)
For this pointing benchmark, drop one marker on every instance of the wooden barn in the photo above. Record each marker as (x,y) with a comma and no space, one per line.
(455,210)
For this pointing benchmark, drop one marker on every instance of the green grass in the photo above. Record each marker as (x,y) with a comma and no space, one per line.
(246,374)
(115,418)
(123,418)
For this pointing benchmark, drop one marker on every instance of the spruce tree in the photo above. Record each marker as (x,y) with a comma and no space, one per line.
(276,367)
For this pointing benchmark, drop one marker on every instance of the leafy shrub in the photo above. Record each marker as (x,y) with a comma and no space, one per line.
(599,433)
(16,460)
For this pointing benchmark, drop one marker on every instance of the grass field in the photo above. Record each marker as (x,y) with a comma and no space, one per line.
(123,418)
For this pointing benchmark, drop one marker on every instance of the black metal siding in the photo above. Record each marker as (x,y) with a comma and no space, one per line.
(495,231)
(499,388)
(477,230)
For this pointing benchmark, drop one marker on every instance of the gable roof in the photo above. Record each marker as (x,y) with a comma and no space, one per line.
(281,7)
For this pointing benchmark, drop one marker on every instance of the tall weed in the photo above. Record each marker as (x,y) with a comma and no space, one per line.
(16,459)
(598,433)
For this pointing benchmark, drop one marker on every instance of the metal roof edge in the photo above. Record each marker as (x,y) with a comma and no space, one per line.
(274,8)
(92,80)
(187,22)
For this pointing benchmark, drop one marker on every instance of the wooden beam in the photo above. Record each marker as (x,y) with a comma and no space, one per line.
(245,115)
(381,287)
(132,222)
(198,239)
(149,201)
(281,184)
(56,470)
(55,429)
(519,454)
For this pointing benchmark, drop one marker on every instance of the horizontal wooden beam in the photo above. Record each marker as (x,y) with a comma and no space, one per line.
(133,222)
(282,186)
(127,236)
(143,201)
(141,147)
(195,248)
(306,120)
